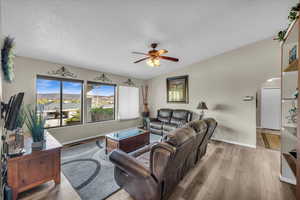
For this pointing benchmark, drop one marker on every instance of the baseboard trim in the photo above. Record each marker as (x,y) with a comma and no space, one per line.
(236,143)
(287,180)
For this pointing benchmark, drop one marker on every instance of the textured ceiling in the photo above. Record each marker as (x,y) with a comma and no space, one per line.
(101,34)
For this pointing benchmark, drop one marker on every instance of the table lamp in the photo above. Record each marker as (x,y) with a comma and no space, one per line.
(202,106)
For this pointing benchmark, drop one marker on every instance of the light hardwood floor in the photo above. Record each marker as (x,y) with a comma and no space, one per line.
(259,139)
(230,172)
(227,172)
(63,191)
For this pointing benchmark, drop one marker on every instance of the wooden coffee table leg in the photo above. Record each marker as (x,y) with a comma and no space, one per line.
(106,145)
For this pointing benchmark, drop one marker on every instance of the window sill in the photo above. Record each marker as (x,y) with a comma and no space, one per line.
(92,123)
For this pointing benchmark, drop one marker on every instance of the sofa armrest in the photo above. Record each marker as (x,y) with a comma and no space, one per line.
(129,164)
(142,150)
(151,119)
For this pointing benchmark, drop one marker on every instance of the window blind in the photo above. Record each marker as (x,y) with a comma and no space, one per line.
(128,102)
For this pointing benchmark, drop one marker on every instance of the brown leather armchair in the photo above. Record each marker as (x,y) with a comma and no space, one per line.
(168,162)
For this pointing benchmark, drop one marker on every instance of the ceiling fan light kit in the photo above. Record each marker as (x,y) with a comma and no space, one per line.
(154,56)
(153,62)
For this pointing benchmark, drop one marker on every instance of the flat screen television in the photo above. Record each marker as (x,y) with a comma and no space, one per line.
(13,111)
(7,107)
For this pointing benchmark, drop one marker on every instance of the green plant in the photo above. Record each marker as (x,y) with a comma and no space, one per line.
(102,114)
(100,110)
(280,35)
(293,15)
(35,122)
(74,118)
(7,54)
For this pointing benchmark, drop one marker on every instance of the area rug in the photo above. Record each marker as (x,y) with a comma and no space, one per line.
(89,170)
(271,141)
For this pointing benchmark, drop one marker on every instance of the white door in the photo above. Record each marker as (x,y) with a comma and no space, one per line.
(270,108)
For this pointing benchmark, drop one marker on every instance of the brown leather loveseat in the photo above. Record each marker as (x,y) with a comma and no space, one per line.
(168,120)
(153,172)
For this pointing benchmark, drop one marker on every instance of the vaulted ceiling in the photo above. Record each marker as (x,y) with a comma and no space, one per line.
(101,34)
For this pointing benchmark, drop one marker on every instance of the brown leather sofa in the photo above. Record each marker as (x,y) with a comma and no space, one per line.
(153,172)
(168,120)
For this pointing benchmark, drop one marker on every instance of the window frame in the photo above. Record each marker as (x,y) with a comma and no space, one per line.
(115,93)
(61,80)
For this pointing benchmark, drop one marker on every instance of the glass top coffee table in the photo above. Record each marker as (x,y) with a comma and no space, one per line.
(127,140)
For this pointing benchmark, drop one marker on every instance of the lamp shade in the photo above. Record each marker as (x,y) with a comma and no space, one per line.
(202,106)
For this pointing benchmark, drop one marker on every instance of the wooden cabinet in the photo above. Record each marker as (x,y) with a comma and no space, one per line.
(34,167)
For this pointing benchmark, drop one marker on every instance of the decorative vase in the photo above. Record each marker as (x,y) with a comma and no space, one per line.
(37,146)
(146,109)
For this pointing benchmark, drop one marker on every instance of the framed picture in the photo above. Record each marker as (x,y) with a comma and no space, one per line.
(293,54)
(177,89)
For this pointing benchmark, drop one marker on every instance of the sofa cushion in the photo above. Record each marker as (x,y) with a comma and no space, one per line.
(179,136)
(169,127)
(178,122)
(180,117)
(144,159)
(156,124)
(164,115)
(167,113)
(180,114)
(156,131)
(198,125)
(164,119)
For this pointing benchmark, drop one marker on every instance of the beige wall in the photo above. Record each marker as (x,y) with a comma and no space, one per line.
(26,70)
(222,82)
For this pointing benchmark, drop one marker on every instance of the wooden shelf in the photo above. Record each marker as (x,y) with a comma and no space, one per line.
(292,161)
(288,99)
(290,125)
(292,67)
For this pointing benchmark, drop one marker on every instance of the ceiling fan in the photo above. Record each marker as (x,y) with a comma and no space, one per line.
(154,56)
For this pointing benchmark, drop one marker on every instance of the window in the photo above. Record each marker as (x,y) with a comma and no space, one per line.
(61,100)
(100,102)
(128,102)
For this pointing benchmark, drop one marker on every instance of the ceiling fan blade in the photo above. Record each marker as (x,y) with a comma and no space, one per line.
(169,58)
(141,60)
(140,53)
(162,51)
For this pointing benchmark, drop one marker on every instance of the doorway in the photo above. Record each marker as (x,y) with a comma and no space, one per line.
(269,115)
(270,108)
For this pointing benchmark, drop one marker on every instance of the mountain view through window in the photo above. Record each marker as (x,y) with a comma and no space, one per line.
(100,102)
(61,100)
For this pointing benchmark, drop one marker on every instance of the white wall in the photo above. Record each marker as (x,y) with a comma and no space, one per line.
(222,82)
(26,70)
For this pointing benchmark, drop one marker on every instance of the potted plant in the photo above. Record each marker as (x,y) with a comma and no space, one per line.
(35,122)
(75,119)
(19,137)
(21,118)
(101,114)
